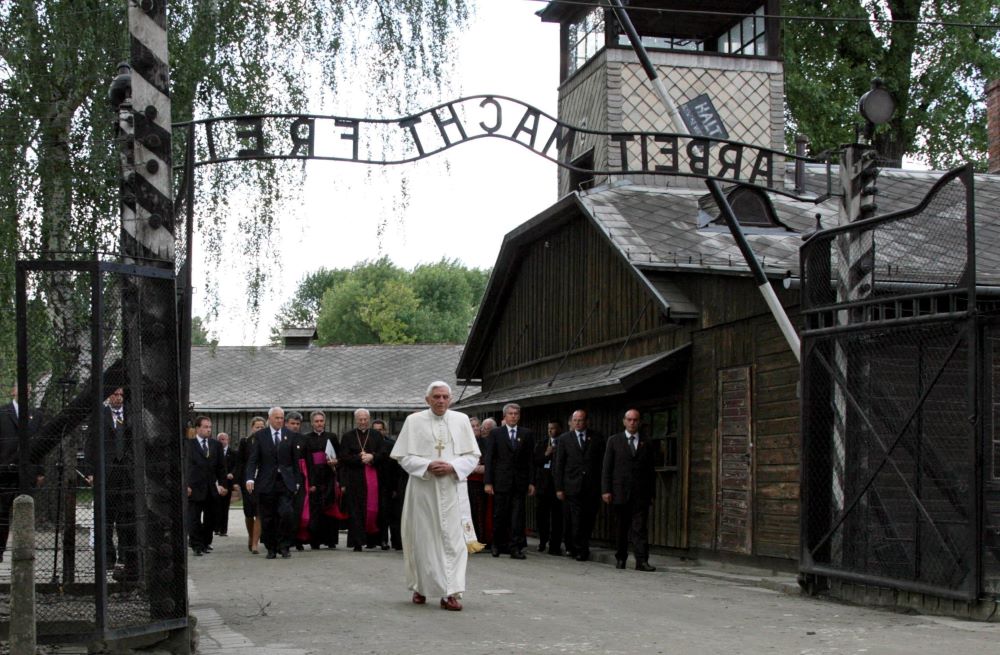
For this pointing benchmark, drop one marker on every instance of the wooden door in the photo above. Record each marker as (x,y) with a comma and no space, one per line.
(734,504)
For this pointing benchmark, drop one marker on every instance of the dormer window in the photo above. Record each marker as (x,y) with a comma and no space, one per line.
(752,207)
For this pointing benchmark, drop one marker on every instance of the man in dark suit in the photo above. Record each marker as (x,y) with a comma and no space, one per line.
(206,480)
(509,475)
(119,482)
(579,457)
(9,455)
(627,484)
(273,477)
(549,509)
(230,462)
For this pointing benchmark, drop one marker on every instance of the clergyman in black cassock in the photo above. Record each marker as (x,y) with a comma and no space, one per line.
(321,453)
(362,454)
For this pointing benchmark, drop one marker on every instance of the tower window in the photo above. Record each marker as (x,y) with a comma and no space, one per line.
(586,37)
(746,37)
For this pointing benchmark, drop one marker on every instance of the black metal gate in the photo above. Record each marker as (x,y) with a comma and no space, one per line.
(110,559)
(891,381)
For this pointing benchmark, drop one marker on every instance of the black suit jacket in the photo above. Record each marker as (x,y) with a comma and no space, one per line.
(9,443)
(113,436)
(544,480)
(509,470)
(274,469)
(204,472)
(579,471)
(230,462)
(629,477)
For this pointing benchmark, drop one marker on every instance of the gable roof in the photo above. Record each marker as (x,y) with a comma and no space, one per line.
(658,230)
(333,378)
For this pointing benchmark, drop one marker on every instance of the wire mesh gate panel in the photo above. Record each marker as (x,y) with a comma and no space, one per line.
(97,348)
(891,482)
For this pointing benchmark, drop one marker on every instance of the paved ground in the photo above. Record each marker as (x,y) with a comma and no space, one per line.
(339,601)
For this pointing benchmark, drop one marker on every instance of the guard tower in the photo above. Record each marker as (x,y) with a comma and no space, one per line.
(727,51)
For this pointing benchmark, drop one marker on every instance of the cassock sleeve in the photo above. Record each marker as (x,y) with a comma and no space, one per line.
(464,465)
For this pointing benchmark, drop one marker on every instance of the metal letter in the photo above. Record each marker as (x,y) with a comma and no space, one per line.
(489,100)
(697,152)
(309,141)
(670,150)
(255,131)
(623,140)
(533,114)
(727,165)
(763,165)
(353,135)
(561,138)
(411,123)
(451,121)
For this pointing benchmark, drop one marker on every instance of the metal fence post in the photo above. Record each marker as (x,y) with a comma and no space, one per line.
(22,578)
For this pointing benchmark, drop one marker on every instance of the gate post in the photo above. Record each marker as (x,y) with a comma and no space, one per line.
(22,577)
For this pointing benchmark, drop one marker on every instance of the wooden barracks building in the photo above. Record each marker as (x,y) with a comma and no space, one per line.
(630,291)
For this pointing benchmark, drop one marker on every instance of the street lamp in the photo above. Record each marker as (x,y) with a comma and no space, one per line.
(876,106)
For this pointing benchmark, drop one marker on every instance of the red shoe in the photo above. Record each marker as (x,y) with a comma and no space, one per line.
(418,599)
(451,604)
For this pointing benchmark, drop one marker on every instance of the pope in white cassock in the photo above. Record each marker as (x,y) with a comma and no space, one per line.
(438,450)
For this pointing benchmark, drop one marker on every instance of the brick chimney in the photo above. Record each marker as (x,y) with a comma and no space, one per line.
(993,125)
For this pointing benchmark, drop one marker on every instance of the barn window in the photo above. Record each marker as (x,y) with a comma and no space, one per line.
(752,207)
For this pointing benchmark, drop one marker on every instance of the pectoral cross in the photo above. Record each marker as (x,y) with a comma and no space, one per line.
(439,446)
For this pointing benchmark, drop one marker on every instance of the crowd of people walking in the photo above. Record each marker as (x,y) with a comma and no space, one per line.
(301,487)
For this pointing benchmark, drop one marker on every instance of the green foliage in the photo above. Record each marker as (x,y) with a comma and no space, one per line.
(59,166)
(378,302)
(936,73)
(199,333)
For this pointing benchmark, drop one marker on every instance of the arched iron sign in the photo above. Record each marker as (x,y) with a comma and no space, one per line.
(450,124)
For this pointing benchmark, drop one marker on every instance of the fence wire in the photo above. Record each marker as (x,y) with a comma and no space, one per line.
(889,451)
(101,360)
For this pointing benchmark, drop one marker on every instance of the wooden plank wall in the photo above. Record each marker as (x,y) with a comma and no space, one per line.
(737,330)
(560,280)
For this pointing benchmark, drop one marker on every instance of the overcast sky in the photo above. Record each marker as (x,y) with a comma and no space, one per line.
(459,204)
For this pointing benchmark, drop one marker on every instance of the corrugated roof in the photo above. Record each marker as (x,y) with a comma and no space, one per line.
(378,377)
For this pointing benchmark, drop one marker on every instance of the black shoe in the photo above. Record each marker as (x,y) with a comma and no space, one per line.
(541,547)
(285,554)
(333,546)
(299,547)
(371,547)
(271,554)
(643,566)
(384,546)
(222,534)
(570,553)
(208,549)
(357,549)
(517,555)
(620,564)
(555,551)
(495,551)
(198,552)
(583,557)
